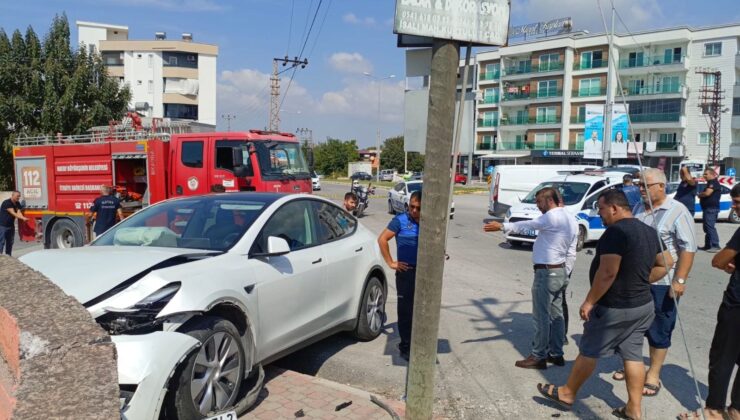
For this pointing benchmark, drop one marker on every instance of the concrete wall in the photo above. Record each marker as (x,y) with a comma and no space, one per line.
(58,363)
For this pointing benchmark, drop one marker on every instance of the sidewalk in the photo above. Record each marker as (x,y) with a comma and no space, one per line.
(291,395)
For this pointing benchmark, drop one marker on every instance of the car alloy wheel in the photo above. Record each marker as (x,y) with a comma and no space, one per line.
(216,373)
(375,307)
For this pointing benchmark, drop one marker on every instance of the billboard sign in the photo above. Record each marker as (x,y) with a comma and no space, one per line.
(484,22)
(619,132)
(593,146)
(550,27)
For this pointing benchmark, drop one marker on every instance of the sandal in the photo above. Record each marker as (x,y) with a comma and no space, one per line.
(621,413)
(543,388)
(651,387)
(618,375)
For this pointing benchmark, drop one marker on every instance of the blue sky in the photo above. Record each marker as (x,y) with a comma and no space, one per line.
(331,96)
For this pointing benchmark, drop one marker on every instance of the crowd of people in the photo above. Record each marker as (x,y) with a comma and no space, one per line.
(638,276)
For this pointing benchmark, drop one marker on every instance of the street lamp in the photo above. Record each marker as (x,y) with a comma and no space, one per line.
(377,141)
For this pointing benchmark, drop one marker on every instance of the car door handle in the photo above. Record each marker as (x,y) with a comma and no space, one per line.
(358,249)
(317,261)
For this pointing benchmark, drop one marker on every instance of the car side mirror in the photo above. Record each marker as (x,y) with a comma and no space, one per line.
(276,246)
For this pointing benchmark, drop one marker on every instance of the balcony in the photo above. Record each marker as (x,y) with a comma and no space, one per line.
(544,145)
(487,123)
(659,64)
(524,72)
(578,119)
(594,64)
(511,145)
(489,100)
(664,145)
(664,92)
(485,146)
(489,76)
(589,92)
(532,123)
(662,148)
(524,98)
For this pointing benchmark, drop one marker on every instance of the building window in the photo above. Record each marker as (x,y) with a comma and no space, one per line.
(150,60)
(635,86)
(186,112)
(112,58)
(180,59)
(547,88)
(550,62)
(546,115)
(192,153)
(667,138)
(712,49)
(544,140)
(591,60)
(703,137)
(735,106)
(709,80)
(150,87)
(672,55)
(589,87)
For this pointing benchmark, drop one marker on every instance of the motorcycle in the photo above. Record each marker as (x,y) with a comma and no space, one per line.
(363,201)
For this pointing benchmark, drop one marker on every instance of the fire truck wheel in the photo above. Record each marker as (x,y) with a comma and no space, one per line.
(65,234)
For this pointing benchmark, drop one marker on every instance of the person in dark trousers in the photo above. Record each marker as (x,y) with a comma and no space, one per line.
(10,210)
(724,354)
(631,191)
(405,228)
(619,308)
(709,200)
(104,211)
(686,192)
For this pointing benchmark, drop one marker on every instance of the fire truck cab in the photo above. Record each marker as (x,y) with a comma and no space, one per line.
(59,177)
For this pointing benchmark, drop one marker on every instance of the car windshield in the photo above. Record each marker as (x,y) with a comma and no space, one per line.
(281,159)
(572,192)
(212,223)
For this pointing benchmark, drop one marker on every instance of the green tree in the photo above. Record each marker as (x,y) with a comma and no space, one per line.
(392,156)
(49,88)
(333,156)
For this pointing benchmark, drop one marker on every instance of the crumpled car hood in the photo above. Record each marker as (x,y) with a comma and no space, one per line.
(86,273)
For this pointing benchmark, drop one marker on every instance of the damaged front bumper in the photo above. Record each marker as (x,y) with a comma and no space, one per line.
(145,365)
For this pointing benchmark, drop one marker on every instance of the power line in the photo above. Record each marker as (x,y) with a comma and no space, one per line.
(316,39)
(290,28)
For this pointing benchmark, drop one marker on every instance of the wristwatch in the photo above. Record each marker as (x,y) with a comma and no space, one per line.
(681,281)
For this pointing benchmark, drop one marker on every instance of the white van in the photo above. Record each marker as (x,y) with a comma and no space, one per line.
(511,183)
(580,193)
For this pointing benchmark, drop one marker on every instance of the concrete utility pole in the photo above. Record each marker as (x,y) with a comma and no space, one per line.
(275,87)
(377,133)
(611,66)
(228,118)
(433,230)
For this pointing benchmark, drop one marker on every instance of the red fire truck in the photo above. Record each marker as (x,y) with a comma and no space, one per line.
(60,176)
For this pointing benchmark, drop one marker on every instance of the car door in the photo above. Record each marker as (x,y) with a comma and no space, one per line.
(395,196)
(591,215)
(343,252)
(290,289)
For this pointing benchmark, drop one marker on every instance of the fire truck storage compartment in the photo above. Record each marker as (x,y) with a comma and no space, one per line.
(130,180)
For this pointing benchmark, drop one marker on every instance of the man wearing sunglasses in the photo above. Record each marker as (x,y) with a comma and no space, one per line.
(676,228)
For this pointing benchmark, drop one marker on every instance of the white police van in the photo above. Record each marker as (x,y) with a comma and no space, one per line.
(725,201)
(580,193)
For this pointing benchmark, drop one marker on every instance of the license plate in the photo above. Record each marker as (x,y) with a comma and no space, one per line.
(230,415)
(532,233)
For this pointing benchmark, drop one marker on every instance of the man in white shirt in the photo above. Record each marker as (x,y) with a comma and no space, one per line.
(553,256)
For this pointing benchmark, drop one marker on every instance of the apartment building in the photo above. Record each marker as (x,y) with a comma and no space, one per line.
(532,96)
(168,78)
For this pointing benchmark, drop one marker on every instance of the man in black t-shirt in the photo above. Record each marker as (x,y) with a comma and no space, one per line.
(686,192)
(10,210)
(709,200)
(619,308)
(725,351)
(104,210)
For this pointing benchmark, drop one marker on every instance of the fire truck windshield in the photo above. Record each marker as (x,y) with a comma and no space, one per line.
(280,160)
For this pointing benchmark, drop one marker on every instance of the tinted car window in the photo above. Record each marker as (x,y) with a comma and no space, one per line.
(334,223)
(292,222)
(399,187)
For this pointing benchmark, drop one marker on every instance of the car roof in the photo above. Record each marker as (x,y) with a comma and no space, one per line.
(414,181)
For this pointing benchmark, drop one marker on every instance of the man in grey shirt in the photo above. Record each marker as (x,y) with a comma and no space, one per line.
(676,228)
(553,256)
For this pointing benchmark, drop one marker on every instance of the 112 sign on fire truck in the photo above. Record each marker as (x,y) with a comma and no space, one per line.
(59,177)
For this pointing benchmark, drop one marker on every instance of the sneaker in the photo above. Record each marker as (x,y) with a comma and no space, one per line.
(714,250)
(556,360)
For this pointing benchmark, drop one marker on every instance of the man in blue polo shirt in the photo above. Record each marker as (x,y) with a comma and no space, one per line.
(405,228)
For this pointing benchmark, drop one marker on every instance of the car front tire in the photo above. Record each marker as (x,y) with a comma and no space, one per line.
(209,379)
(372,311)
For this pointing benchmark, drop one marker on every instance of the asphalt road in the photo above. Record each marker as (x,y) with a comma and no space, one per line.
(486,326)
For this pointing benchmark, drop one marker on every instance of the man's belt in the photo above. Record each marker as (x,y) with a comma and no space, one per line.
(548,266)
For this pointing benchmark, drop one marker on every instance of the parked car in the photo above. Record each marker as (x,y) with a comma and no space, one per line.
(461,179)
(387,174)
(725,201)
(315,181)
(197,292)
(398,197)
(361,176)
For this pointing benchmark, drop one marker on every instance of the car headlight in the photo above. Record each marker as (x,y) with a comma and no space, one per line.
(142,316)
